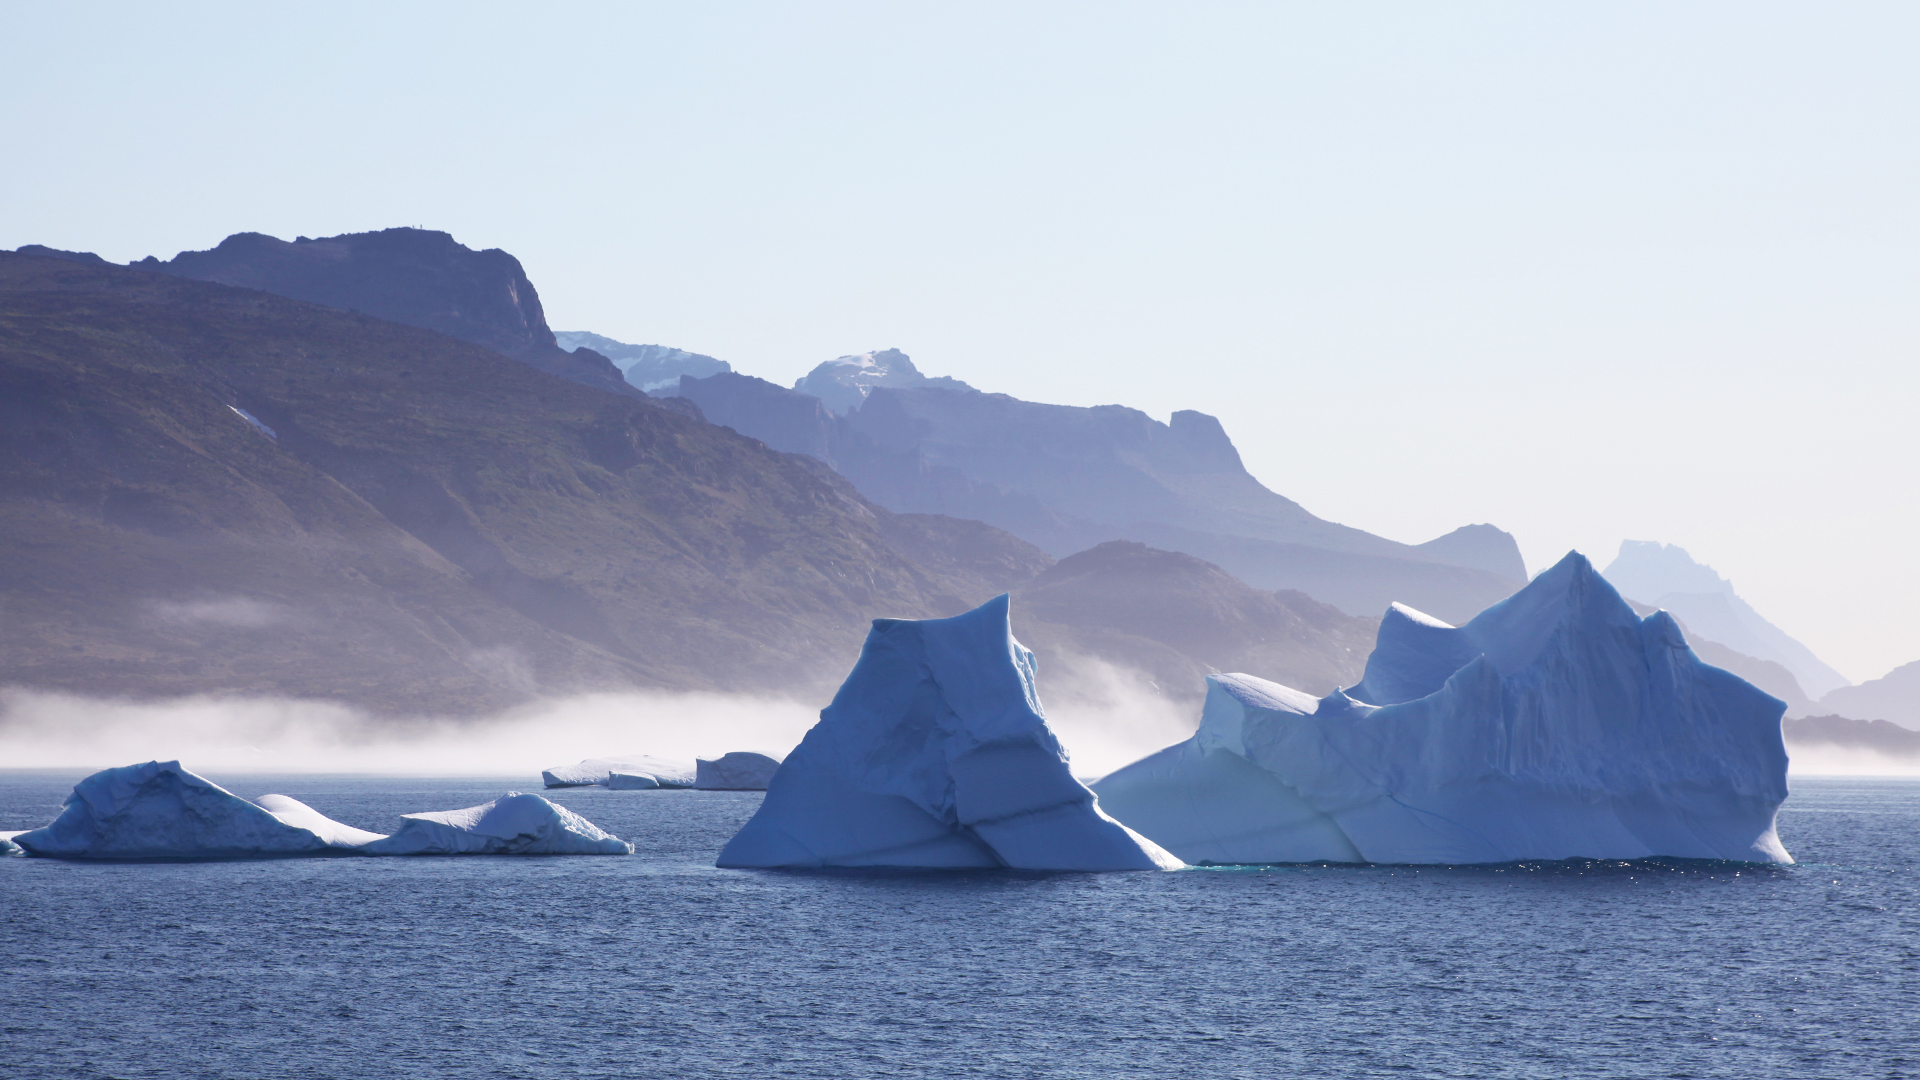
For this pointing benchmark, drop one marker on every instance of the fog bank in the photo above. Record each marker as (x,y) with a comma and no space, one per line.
(1105,717)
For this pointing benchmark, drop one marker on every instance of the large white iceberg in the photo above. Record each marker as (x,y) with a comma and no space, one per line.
(1556,724)
(741,770)
(636,771)
(513,824)
(159,810)
(935,753)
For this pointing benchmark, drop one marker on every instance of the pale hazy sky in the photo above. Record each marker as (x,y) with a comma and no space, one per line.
(1586,271)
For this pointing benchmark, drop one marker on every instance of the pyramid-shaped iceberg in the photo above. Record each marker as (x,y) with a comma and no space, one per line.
(1556,724)
(935,753)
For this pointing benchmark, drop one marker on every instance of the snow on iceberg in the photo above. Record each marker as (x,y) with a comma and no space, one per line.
(636,771)
(935,753)
(1556,724)
(298,814)
(159,810)
(513,824)
(739,771)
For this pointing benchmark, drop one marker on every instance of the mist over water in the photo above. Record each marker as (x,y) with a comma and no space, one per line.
(1105,716)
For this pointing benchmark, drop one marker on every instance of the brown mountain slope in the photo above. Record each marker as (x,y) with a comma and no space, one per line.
(1177,618)
(206,488)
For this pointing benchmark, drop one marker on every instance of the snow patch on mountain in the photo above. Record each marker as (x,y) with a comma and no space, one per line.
(844,383)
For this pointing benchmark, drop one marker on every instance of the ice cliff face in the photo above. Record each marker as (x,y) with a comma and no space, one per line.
(1556,724)
(935,753)
(844,383)
(159,810)
(513,824)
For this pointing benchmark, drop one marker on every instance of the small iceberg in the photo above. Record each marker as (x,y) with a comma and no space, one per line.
(159,810)
(934,753)
(739,771)
(639,772)
(513,824)
(1557,724)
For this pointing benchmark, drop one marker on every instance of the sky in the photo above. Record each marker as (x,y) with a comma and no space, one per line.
(1589,272)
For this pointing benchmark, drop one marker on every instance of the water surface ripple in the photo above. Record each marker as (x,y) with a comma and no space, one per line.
(661,965)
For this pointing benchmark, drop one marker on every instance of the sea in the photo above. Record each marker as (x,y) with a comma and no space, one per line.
(661,965)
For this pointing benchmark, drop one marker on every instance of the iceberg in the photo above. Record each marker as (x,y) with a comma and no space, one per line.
(623,781)
(9,849)
(738,771)
(935,753)
(1556,724)
(159,810)
(636,771)
(301,816)
(513,824)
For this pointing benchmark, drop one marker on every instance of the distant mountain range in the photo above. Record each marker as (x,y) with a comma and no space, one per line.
(1665,576)
(1067,478)
(384,495)
(207,489)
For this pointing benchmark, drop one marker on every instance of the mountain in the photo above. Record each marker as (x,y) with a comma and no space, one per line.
(648,367)
(414,276)
(1482,547)
(212,489)
(208,489)
(1894,696)
(1068,478)
(1667,577)
(1178,619)
(845,382)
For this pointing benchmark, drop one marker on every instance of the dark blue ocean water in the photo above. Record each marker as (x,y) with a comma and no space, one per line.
(661,965)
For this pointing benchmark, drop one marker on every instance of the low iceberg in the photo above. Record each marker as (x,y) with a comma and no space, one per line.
(301,816)
(1556,724)
(642,771)
(9,849)
(934,753)
(739,771)
(513,824)
(159,810)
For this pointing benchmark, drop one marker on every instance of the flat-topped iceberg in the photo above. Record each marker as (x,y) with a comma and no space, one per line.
(513,824)
(741,770)
(1556,724)
(935,753)
(159,810)
(638,771)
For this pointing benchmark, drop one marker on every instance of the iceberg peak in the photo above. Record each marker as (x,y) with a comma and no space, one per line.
(935,753)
